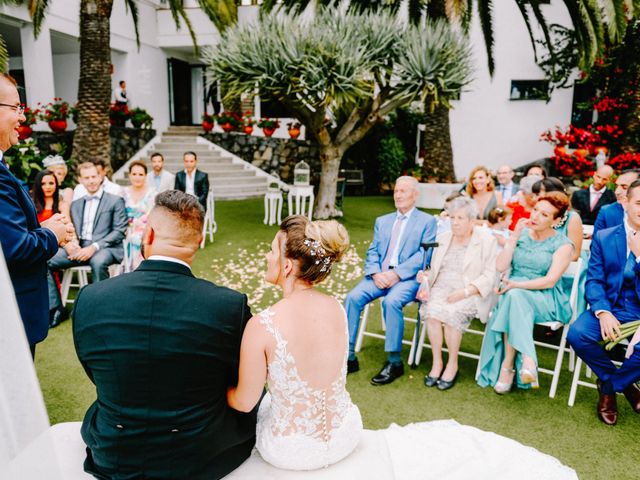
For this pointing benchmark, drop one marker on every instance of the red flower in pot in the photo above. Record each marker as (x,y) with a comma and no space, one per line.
(268,126)
(207,122)
(55,114)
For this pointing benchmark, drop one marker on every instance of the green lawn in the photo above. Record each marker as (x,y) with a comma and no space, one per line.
(236,259)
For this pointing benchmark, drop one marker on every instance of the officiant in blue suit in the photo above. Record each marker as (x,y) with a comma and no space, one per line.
(393,260)
(26,244)
(613,294)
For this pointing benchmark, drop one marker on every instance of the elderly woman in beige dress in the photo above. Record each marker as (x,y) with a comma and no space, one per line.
(458,287)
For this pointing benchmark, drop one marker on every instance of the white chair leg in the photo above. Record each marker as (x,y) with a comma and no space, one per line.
(588,373)
(384,324)
(266,210)
(279,209)
(558,366)
(362,329)
(572,359)
(414,344)
(423,334)
(574,382)
(67,276)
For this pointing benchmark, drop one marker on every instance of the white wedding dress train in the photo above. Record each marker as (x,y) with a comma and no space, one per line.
(302,428)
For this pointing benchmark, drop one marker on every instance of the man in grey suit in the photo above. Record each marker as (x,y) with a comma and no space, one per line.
(160,179)
(101,223)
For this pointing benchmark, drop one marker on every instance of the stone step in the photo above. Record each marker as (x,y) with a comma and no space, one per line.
(182,134)
(176,166)
(179,152)
(230,181)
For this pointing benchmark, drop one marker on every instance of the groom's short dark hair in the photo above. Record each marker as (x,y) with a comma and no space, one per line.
(186,208)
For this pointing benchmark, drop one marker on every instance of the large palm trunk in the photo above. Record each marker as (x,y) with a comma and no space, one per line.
(91,139)
(438,159)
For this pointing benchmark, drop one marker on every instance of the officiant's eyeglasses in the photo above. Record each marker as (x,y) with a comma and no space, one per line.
(18,108)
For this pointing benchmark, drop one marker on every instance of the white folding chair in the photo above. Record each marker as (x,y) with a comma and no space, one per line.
(575,382)
(573,270)
(363,332)
(210,226)
(82,274)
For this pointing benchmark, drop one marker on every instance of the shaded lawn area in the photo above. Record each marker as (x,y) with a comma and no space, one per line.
(236,259)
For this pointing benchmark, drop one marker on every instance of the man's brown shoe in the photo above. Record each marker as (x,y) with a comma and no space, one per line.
(632,392)
(607,406)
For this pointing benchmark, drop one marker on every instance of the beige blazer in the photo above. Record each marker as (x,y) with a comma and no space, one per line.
(479,267)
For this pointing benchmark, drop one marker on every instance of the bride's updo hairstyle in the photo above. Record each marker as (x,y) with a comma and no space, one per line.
(316,245)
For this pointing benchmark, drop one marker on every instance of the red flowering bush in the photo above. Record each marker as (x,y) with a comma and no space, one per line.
(231,118)
(56,110)
(119,114)
(247,118)
(625,161)
(31,116)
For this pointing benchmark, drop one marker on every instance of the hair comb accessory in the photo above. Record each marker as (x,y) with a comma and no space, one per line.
(319,252)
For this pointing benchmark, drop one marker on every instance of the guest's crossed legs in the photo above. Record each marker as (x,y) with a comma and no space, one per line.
(584,336)
(395,298)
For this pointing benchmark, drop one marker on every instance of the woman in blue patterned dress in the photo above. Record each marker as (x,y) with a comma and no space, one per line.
(139,200)
(538,256)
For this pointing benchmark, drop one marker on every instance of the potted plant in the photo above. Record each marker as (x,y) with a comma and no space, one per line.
(247,122)
(229,121)
(31,117)
(55,114)
(268,126)
(140,118)
(208,122)
(294,129)
(118,114)
(24,159)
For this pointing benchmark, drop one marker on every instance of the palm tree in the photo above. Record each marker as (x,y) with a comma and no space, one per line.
(91,139)
(340,73)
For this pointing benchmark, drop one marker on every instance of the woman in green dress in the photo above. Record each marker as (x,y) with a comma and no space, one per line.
(538,255)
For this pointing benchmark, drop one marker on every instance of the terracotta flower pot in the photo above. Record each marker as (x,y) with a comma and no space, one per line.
(294,133)
(58,126)
(560,150)
(581,152)
(248,129)
(597,150)
(227,127)
(24,131)
(268,131)
(207,126)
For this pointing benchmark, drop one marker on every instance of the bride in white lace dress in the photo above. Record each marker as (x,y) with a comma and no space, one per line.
(307,421)
(299,346)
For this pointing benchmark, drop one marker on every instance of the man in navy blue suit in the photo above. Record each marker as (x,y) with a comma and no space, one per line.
(613,214)
(393,260)
(26,244)
(613,294)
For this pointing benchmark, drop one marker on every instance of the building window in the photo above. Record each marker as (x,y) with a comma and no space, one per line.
(529,90)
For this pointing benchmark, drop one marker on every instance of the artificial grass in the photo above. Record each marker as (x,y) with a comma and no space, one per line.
(572,434)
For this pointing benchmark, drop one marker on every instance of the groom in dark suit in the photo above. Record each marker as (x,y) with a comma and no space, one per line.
(162,347)
(613,294)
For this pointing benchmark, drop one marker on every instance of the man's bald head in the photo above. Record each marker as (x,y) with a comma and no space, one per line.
(174,226)
(602,177)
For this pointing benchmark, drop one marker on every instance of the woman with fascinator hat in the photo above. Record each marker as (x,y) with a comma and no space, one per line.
(57,165)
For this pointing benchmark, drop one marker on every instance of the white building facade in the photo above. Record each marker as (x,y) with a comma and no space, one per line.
(488,125)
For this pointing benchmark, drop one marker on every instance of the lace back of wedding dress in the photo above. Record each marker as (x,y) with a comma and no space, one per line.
(299,426)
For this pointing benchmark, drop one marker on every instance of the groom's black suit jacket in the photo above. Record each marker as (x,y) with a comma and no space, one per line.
(162,346)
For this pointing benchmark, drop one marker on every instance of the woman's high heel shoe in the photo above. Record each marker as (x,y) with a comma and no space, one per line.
(504,387)
(529,377)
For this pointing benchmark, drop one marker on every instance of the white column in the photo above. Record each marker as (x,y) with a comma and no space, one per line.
(37,60)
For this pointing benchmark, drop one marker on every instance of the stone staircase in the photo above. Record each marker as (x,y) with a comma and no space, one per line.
(230,177)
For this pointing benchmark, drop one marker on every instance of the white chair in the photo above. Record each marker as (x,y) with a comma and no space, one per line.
(297,200)
(82,275)
(210,226)
(573,270)
(576,382)
(273,208)
(363,332)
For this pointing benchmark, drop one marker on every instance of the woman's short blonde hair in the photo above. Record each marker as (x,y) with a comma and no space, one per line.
(471,190)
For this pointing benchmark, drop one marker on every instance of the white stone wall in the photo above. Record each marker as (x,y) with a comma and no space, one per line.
(486,127)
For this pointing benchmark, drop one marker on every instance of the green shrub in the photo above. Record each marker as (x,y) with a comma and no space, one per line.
(391,158)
